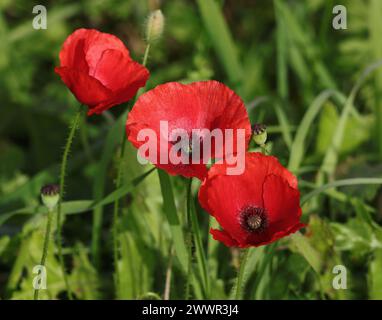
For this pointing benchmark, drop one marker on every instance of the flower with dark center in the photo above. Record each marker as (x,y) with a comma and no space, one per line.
(204,105)
(254,208)
(253,219)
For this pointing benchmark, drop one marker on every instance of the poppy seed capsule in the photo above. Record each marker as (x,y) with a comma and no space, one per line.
(155,25)
(254,222)
(253,219)
(50,194)
(259,134)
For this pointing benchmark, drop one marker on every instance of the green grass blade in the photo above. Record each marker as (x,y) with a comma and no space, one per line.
(331,157)
(221,39)
(375,27)
(282,68)
(99,186)
(172,217)
(78,206)
(200,253)
(298,145)
(340,183)
(120,192)
(285,126)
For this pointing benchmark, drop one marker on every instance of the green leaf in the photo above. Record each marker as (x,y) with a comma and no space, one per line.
(331,157)
(305,248)
(298,147)
(357,130)
(84,278)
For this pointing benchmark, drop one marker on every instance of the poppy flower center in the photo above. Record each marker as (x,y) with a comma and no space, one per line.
(188,145)
(253,219)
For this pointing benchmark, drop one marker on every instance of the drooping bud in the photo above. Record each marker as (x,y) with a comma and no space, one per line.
(259,134)
(155,26)
(50,194)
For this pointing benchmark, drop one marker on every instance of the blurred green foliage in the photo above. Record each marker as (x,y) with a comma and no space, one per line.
(279,56)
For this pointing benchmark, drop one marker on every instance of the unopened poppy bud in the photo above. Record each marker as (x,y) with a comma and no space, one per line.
(155,25)
(259,134)
(50,194)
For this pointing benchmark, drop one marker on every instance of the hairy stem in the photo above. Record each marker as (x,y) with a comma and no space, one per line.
(73,127)
(118,185)
(146,55)
(45,247)
(240,275)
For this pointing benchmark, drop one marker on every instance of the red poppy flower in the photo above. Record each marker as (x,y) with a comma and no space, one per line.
(200,105)
(255,208)
(98,69)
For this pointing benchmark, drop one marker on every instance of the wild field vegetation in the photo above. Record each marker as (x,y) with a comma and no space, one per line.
(318,90)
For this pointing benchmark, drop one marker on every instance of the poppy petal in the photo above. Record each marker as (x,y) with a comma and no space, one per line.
(224,237)
(263,190)
(282,203)
(86,89)
(108,72)
(97,43)
(199,105)
(225,196)
(73,54)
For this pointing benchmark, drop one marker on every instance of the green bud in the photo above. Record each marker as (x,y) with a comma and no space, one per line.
(50,194)
(155,26)
(259,134)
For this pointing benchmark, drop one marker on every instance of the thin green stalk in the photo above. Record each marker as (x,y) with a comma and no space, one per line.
(146,54)
(189,240)
(115,213)
(282,69)
(99,188)
(73,128)
(117,186)
(170,212)
(240,275)
(45,247)
(197,246)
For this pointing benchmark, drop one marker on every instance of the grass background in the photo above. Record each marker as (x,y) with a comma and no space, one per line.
(317,89)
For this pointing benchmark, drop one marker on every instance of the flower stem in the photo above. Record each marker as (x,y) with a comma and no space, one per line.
(240,275)
(115,214)
(188,239)
(73,127)
(264,149)
(146,55)
(120,166)
(45,247)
